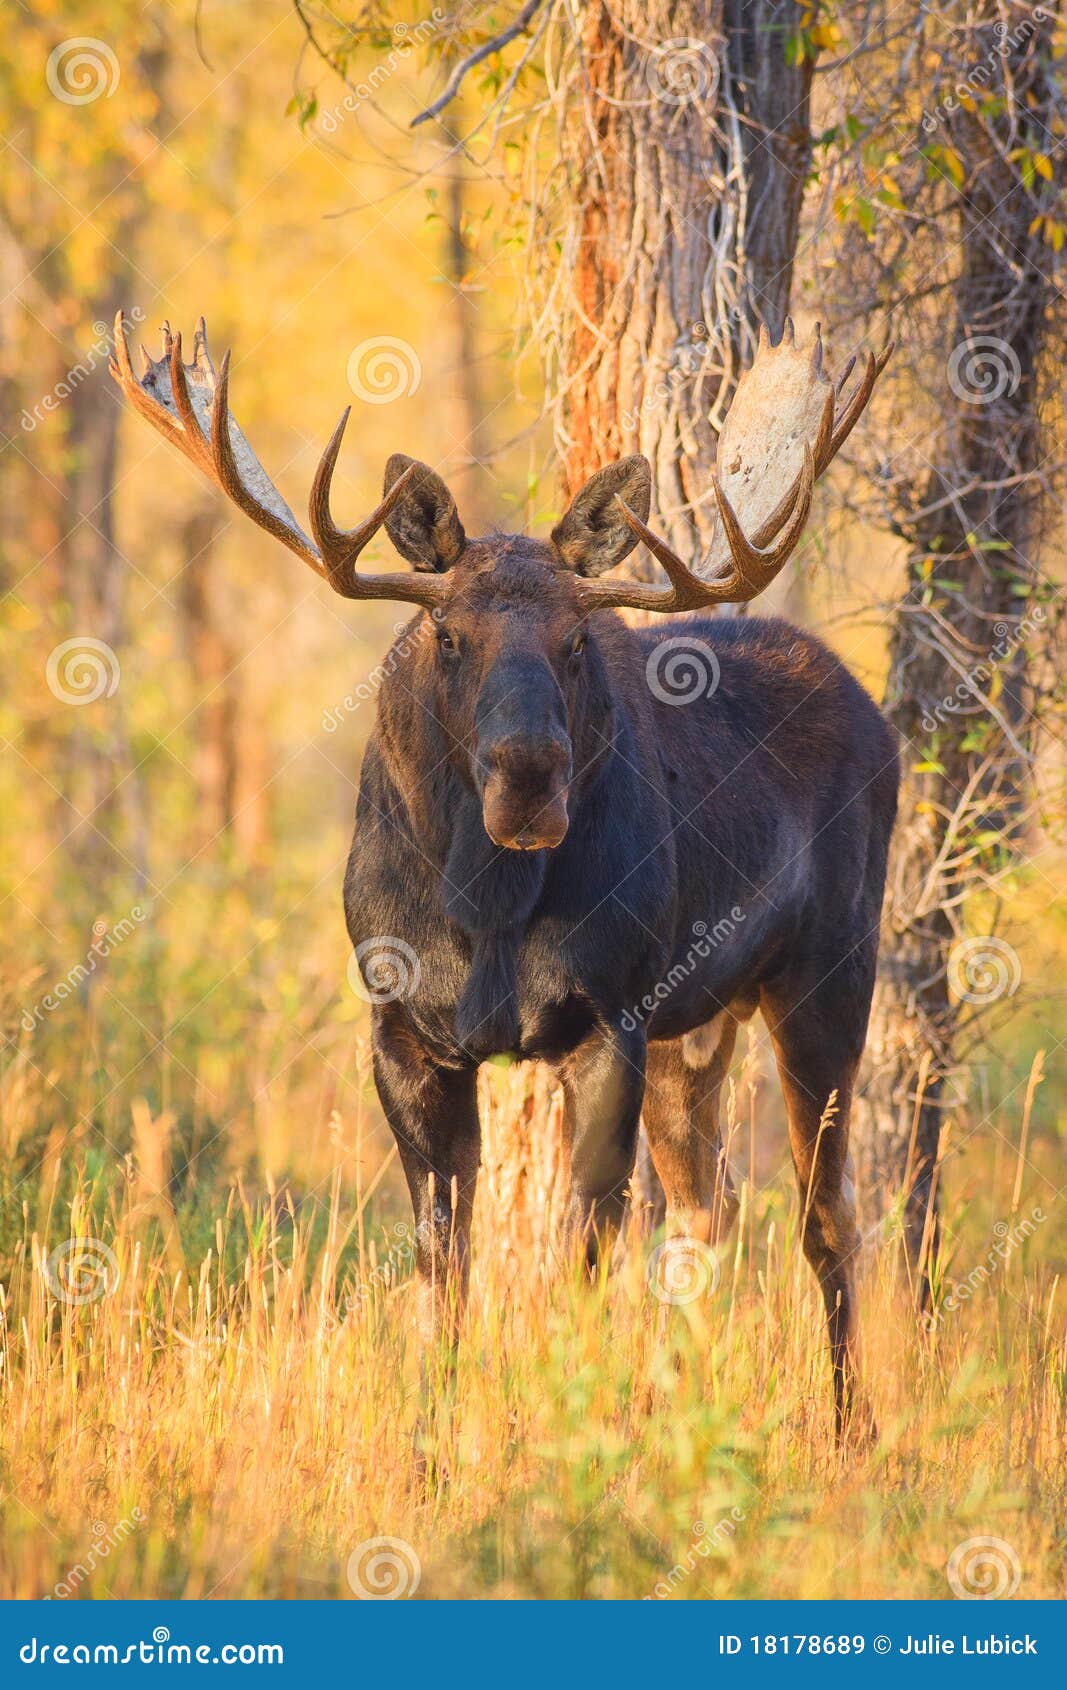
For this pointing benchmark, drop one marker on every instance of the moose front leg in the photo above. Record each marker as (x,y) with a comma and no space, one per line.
(433,1112)
(603,1087)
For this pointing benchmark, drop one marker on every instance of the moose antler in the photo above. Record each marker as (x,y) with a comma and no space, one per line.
(785,409)
(189,405)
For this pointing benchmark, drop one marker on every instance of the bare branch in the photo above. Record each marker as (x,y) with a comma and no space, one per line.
(485,51)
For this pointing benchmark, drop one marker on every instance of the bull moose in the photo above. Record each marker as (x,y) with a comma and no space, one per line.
(542,827)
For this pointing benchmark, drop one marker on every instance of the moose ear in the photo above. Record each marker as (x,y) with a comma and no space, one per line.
(424,527)
(593,536)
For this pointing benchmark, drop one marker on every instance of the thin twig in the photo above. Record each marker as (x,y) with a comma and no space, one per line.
(487,48)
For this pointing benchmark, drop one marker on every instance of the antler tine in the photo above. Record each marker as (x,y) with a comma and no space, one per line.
(846,422)
(122,371)
(190,407)
(755,567)
(684,590)
(839,384)
(341,547)
(785,400)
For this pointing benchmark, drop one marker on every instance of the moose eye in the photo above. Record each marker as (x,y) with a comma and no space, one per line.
(446,642)
(578,645)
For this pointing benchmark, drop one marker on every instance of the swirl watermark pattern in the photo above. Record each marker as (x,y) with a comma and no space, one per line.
(982,369)
(682,71)
(80,69)
(984,1569)
(384,968)
(81,670)
(981,970)
(681,1270)
(81,1270)
(383,1569)
(384,368)
(682,669)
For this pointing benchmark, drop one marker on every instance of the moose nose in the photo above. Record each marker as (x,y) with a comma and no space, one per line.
(523,760)
(524,798)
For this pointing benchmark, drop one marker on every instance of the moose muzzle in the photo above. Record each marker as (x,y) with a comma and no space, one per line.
(523,759)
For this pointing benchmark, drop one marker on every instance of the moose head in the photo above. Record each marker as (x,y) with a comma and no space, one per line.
(514,665)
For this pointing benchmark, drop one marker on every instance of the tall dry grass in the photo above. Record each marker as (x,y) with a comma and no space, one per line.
(236,1417)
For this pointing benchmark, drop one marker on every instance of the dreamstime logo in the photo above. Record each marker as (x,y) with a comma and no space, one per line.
(382,969)
(406,643)
(690,356)
(405,37)
(386,1275)
(984,1569)
(381,1569)
(80,69)
(81,670)
(1010,1236)
(979,77)
(982,369)
(681,1270)
(105,940)
(702,1544)
(705,940)
(682,669)
(981,970)
(683,70)
(81,1270)
(969,698)
(69,384)
(384,368)
(105,1539)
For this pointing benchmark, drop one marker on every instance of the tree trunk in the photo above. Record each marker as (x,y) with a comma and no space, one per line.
(687,161)
(963,624)
(686,143)
(464,391)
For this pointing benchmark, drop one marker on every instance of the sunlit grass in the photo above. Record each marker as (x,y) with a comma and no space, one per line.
(240,1412)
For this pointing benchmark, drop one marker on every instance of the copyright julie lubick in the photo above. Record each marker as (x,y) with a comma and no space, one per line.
(815,1643)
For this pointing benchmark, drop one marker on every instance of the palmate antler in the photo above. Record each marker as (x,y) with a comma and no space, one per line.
(787,421)
(189,405)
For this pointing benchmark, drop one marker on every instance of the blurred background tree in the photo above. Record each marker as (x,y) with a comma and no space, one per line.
(947,167)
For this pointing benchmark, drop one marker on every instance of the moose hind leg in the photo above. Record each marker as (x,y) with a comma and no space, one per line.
(818,1040)
(681,1117)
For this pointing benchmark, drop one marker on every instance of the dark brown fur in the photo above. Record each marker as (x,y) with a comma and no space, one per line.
(680,864)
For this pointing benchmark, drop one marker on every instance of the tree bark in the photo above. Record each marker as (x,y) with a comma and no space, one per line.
(970,578)
(687,157)
(686,145)
(465,395)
